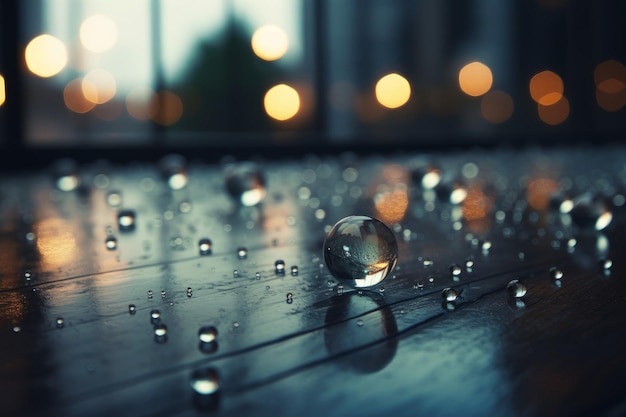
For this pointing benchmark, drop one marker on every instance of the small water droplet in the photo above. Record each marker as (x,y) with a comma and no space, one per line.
(149,293)
(17,329)
(294,270)
(205,246)
(418,285)
(155,316)
(339,289)
(279,267)
(66,175)
(449,294)
(427,263)
(431,279)
(132,309)
(455,270)
(60,322)
(469,263)
(114,198)
(257,275)
(174,170)
(242,253)
(606,264)
(163,293)
(160,332)
(381,289)
(126,220)
(236,324)
(361,251)
(556,273)
(205,381)
(235,273)
(111,243)
(359,322)
(245,182)
(516,289)
(28,275)
(486,246)
(207,334)
(289,295)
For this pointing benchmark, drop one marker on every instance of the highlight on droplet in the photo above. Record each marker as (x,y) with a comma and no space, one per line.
(270,42)
(45,56)
(281,102)
(393,90)
(475,79)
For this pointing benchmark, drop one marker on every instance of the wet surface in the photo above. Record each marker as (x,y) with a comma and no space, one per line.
(184,289)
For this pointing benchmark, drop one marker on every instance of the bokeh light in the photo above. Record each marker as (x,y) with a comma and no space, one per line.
(3,94)
(269,42)
(74,98)
(554,114)
(98,33)
(610,79)
(496,106)
(45,56)
(98,86)
(475,79)
(546,88)
(393,91)
(281,102)
(169,108)
(140,103)
(539,192)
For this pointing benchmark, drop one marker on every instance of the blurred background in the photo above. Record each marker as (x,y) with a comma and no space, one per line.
(230,73)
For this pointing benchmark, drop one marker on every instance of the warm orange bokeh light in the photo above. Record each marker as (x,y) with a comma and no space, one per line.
(539,192)
(546,88)
(140,103)
(169,108)
(281,102)
(554,114)
(3,94)
(269,42)
(475,79)
(74,98)
(391,206)
(496,106)
(99,86)
(45,56)
(476,205)
(610,80)
(393,91)
(98,33)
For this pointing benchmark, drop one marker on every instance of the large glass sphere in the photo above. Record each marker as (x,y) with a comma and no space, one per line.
(360,251)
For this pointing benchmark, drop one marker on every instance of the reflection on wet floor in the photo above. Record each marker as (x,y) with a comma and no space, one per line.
(262,275)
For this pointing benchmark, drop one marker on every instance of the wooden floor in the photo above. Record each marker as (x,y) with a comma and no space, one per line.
(71,346)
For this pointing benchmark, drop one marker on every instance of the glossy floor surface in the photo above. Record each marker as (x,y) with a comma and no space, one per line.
(138,314)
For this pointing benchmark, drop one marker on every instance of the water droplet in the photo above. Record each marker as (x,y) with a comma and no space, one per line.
(235,273)
(289,298)
(60,322)
(591,212)
(427,176)
(160,332)
(361,251)
(111,243)
(174,170)
(28,275)
(236,324)
(469,263)
(455,270)
(452,192)
(556,273)
(242,253)
(245,182)
(606,264)
(126,220)
(155,316)
(289,295)
(516,289)
(257,275)
(279,267)
(207,334)
(66,175)
(205,246)
(381,289)
(17,329)
(431,279)
(205,381)
(339,289)
(418,285)
(294,270)
(427,263)
(486,246)
(449,294)
(114,198)
(359,322)
(163,293)
(149,293)
(132,309)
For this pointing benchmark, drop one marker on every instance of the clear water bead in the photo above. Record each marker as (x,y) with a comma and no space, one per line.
(606,264)
(449,294)
(207,334)
(155,316)
(132,309)
(361,251)
(111,243)
(242,253)
(516,289)
(126,220)
(556,273)
(160,330)
(294,270)
(205,246)
(455,270)
(60,322)
(205,381)
(279,267)
(149,293)
(245,182)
